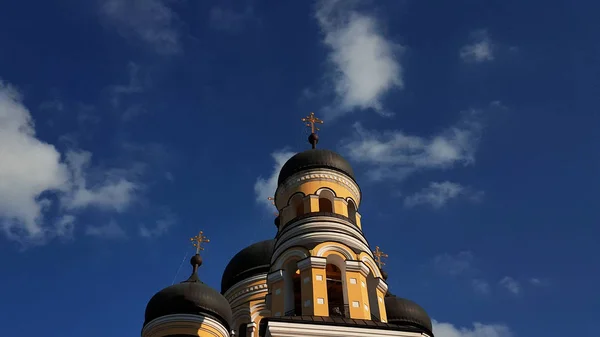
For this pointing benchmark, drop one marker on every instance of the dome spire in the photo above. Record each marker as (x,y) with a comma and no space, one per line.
(378,256)
(310,121)
(196,260)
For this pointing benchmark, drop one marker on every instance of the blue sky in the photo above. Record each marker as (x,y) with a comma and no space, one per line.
(128,126)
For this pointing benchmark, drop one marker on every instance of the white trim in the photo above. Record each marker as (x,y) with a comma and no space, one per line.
(209,321)
(278,261)
(382,286)
(241,287)
(358,266)
(318,174)
(289,329)
(275,276)
(312,262)
(333,247)
(368,260)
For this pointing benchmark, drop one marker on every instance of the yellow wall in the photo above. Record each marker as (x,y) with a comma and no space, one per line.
(311,201)
(357,293)
(311,187)
(277,297)
(381,303)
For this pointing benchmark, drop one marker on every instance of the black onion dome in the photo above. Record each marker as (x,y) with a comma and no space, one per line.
(252,260)
(190,297)
(312,159)
(405,312)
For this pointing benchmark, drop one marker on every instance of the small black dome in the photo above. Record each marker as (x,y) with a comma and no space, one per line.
(189,297)
(405,312)
(250,261)
(315,158)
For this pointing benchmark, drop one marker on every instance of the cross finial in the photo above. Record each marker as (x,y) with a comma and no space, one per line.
(311,120)
(378,256)
(198,240)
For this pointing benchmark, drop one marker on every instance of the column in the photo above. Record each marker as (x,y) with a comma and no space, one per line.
(356,283)
(314,286)
(382,289)
(275,282)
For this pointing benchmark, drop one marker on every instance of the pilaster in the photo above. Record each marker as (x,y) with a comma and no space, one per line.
(277,302)
(314,286)
(356,283)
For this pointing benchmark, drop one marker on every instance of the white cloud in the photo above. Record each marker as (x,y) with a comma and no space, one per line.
(454,264)
(441,329)
(33,174)
(111,230)
(437,194)
(480,49)
(112,192)
(28,168)
(160,227)
(395,154)
(510,284)
(265,187)
(481,286)
(364,62)
(150,21)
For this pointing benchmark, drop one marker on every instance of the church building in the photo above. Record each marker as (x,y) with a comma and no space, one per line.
(317,277)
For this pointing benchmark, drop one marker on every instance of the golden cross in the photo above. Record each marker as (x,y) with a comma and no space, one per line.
(378,255)
(198,240)
(272,200)
(310,120)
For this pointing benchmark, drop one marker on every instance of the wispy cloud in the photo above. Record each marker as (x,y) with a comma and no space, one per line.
(480,49)
(441,329)
(160,227)
(438,194)
(364,63)
(111,230)
(395,154)
(34,175)
(150,21)
(510,284)
(265,187)
(481,286)
(134,85)
(454,264)
(230,21)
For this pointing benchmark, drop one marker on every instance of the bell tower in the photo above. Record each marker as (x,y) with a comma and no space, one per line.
(322,264)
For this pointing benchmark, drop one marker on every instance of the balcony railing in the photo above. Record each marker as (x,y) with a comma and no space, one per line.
(339,310)
(292,313)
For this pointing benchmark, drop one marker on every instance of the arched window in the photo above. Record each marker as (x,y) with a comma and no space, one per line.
(262,327)
(326,198)
(372,293)
(351,211)
(336,292)
(297,204)
(300,208)
(242,330)
(325,205)
(293,291)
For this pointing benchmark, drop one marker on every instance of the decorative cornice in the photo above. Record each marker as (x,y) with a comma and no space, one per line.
(186,318)
(319,174)
(243,284)
(358,266)
(381,285)
(253,290)
(312,262)
(278,329)
(275,276)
